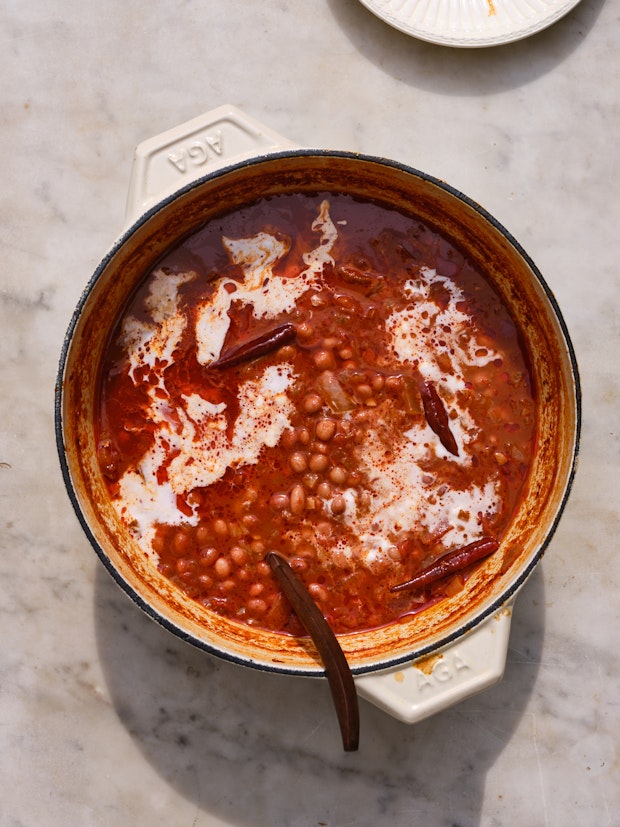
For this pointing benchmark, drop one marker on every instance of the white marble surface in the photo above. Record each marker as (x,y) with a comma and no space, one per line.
(106,719)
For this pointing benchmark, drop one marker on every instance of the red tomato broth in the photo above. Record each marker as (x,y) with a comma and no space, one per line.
(350,393)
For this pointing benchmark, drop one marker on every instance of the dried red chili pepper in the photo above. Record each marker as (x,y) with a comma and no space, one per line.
(450,563)
(437,416)
(267,342)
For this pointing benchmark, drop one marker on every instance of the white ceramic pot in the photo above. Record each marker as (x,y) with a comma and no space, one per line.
(222,160)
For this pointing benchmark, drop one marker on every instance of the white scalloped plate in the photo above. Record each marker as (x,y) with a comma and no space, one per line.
(470,23)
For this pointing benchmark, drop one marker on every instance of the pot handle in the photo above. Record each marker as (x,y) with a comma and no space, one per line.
(166,163)
(414,691)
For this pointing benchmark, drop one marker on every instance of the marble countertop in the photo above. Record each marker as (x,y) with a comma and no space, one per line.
(106,719)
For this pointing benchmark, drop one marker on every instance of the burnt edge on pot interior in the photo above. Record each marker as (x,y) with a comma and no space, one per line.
(135,596)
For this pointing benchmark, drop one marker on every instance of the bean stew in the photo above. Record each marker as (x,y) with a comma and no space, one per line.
(326,378)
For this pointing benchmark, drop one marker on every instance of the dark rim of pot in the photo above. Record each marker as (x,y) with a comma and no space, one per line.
(386,663)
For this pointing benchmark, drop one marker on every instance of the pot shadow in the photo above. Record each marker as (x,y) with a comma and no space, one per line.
(464,71)
(256,748)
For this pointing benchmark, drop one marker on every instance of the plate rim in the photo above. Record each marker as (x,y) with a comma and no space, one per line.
(438,34)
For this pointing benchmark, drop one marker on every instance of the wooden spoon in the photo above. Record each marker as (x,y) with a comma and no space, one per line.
(336,667)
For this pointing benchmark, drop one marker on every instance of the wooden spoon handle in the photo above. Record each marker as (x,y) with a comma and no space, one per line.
(336,667)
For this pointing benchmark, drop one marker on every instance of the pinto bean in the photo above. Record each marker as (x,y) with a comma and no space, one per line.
(393,383)
(279,501)
(304,330)
(338,504)
(324,359)
(331,342)
(325,429)
(338,475)
(289,438)
(222,567)
(312,403)
(207,556)
(251,522)
(203,534)
(221,529)
(298,462)
(186,565)
(318,463)
(262,568)
(318,592)
(298,499)
(257,547)
(181,542)
(324,490)
(238,555)
(257,606)
(364,391)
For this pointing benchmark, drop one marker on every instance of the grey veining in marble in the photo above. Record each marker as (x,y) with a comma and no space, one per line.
(106,719)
